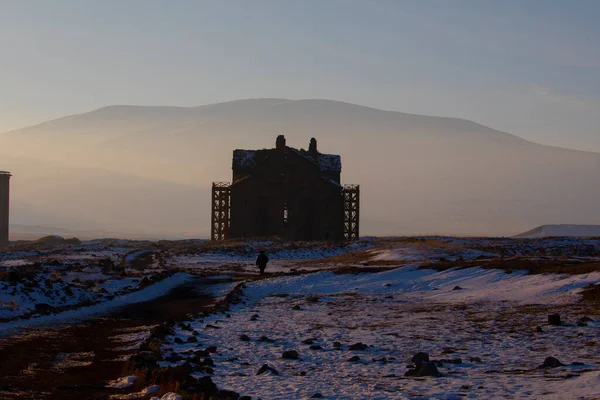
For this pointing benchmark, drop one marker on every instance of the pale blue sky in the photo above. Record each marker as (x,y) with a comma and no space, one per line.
(530,67)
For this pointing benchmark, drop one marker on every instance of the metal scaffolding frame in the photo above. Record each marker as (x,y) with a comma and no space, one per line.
(351,199)
(220,215)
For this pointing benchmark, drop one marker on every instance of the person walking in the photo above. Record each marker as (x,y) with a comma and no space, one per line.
(261,261)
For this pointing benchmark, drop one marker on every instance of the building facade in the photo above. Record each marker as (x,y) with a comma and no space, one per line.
(4,206)
(285,192)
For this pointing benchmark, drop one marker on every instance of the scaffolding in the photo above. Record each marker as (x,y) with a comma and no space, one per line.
(220,218)
(351,199)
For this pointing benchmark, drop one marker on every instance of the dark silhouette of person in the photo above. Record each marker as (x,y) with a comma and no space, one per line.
(261,261)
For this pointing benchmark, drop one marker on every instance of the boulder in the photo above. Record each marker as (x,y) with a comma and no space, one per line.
(554,319)
(419,358)
(173,357)
(265,339)
(211,349)
(143,360)
(266,368)
(290,355)
(358,346)
(43,308)
(204,385)
(180,374)
(206,370)
(185,327)
(201,353)
(428,369)
(244,338)
(425,368)
(551,362)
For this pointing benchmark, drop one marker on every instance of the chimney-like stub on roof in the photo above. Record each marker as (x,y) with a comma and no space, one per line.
(312,147)
(280,143)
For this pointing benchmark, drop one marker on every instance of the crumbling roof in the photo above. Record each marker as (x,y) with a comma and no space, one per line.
(243,159)
(326,162)
(330,162)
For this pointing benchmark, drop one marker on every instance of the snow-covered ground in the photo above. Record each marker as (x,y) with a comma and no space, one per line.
(480,324)
(486,318)
(39,282)
(102,307)
(241,259)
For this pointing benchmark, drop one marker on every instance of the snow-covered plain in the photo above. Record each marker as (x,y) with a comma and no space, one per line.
(86,312)
(487,318)
(40,282)
(241,259)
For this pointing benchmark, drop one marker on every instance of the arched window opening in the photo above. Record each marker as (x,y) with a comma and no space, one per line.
(285,215)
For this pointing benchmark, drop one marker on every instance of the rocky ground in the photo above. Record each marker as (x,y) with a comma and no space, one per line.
(426,317)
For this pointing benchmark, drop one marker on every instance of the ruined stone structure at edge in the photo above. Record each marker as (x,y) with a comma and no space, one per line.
(4,206)
(285,192)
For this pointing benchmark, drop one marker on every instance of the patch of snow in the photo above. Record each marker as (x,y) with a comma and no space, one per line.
(131,257)
(243,159)
(148,293)
(114,285)
(149,390)
(398,313)
(171,396)
(122,383)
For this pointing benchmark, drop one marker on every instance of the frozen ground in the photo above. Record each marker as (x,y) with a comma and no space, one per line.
(474,310)
(48,281)
(239,259)
(75,314)
(486,328)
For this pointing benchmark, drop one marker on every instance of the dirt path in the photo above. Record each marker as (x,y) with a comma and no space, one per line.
(38,364)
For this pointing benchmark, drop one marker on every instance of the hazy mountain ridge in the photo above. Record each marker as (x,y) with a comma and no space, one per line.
(561,230)
(261,108)
(418,174)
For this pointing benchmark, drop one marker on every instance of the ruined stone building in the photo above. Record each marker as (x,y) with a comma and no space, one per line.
(4,206)
(285,192)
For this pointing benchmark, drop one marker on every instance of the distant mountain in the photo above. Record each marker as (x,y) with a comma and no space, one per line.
(561,231)
(418,174)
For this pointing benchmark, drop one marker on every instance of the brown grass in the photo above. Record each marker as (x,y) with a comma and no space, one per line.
(591,294)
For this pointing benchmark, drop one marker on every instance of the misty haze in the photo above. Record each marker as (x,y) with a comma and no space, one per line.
(132,171)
